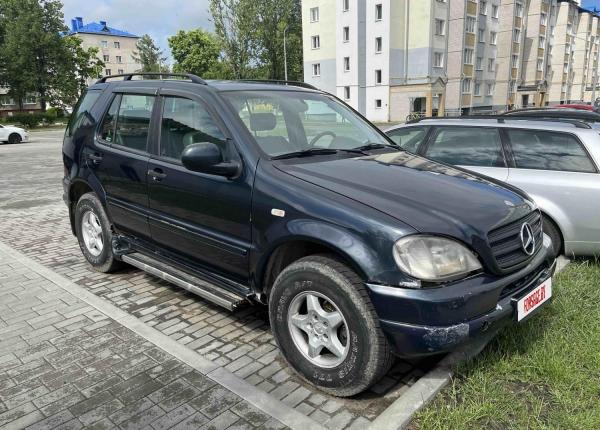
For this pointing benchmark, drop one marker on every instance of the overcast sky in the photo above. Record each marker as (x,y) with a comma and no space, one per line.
(159,18)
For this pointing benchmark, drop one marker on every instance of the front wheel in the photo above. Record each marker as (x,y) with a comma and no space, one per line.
(326,326)
(14,138)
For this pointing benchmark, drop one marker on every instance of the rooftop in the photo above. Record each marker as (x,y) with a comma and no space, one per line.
(77,26)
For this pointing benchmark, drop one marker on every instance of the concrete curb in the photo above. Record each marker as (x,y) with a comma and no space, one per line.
(258,398)
(400,413)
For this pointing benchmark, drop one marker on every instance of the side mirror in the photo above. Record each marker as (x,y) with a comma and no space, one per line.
(206,157)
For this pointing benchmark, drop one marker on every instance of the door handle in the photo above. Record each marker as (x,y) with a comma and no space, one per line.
(95,158)
(157,174)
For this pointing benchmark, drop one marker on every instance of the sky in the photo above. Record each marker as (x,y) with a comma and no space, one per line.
(159,18)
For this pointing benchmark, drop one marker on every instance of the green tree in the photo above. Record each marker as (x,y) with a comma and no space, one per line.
(198,52)
(149,55)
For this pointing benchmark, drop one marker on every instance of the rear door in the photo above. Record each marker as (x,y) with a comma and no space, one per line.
(203,218)
(120,159)
(475,148)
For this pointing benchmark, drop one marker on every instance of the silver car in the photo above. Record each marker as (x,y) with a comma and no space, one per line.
(556,163)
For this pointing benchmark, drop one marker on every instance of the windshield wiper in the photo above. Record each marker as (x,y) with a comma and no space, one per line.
(305,153)
(372,145)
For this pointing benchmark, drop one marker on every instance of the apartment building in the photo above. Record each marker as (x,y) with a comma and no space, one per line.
(391,59)
(115,47)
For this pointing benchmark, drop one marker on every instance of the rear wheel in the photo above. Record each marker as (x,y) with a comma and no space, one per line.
(326,326)
(551,229)
(14,138)
(94,234)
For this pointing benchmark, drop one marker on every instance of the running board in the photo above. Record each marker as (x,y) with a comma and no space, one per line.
(209,291)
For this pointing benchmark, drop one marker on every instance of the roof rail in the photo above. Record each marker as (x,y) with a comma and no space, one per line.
(502,119)
(127,76)
(280,82)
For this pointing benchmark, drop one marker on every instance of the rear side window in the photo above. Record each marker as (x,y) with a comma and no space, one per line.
(133,121)
(467,146)
(107,129)
(544,150)
(84,105)
(409,138)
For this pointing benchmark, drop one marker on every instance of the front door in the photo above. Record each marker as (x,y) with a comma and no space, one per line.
(120,160)
(3,134)
(204,218)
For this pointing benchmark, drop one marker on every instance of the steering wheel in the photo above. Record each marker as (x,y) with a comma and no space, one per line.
(314,140)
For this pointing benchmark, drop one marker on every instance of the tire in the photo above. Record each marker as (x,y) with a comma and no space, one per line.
(14,138)
(94,234)
(550,228)
(323,280)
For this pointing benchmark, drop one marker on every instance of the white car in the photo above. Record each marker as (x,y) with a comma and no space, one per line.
(11,134)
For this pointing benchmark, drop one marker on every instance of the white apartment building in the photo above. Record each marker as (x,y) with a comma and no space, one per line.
(391,59)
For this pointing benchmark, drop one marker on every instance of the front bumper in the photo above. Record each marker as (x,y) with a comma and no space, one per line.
(420,322)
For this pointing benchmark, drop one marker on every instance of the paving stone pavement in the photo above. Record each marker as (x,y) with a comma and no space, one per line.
(34,220)
(64,364)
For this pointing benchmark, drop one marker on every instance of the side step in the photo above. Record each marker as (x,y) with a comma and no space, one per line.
(200,287)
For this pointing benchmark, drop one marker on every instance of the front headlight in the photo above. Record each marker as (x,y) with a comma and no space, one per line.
(434,259)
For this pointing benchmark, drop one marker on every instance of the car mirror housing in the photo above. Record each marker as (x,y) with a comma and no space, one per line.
(206,157)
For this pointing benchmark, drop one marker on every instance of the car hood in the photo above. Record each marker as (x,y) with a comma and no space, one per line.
(429,196)
(12,128)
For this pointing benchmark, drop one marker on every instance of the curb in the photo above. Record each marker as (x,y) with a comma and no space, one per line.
(400,413)
(258,398)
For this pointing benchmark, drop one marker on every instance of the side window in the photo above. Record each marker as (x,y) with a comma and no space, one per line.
(467,146)
(107,129)
(83,106)
(409,138)
(185,122)
(133,121)
(546,150)
(265,120)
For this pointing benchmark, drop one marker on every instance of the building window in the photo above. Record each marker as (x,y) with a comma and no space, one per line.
(440,27)
(117,45)
(378,44)
(346,34)
(314,14)
(543,18)
(377,77)
(566,68)
(378,104)
(346,64)
(477,89)
(513,86)
(470,24)
(542,42)
(6,100)
(104,43)
(495,11)
(468,56)
(466,85)
(490,89)
(491,65)
(438,59)
(107,72)
(540,65)
(519,10)
(120,71)
(493,37)
(517,36)
(378,12)
(346,93)
(30,99)
(315,42)
(119,59)
(514,61)
(345,5)
(479,63)
(105,58)
(481,35)
(483,7)
(569,29)
(316,69)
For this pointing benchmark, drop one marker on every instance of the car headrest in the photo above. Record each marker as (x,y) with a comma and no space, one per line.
(263,121)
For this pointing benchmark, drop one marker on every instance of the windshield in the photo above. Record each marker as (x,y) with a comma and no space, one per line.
(284,122)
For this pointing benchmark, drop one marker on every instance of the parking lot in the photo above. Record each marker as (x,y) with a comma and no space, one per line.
(35,222)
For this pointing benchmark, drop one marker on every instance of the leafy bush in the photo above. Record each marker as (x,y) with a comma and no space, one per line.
(32,120)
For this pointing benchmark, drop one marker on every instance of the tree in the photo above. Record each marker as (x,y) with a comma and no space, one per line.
(235,22)
(198,52)
(149,55)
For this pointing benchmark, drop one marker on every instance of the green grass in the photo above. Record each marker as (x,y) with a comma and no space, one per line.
(543,374)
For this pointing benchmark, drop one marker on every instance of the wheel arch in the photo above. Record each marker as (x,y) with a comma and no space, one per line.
(549,217)
(78,188)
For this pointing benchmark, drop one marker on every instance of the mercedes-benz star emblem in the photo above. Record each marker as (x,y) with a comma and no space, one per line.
(527,239)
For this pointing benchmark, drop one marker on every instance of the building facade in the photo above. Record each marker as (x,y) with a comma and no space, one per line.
(394,59)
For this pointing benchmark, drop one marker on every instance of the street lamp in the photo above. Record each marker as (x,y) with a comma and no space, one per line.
(285,52)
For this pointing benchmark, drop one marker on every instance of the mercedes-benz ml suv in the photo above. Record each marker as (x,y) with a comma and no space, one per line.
(280,194)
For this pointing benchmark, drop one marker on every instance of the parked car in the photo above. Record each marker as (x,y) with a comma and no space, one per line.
(590,117)
(282,195)
(577,106)
(12,134)
(555,162)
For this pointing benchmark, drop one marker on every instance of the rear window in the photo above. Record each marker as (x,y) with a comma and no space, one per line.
(544,150)
(81,109)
